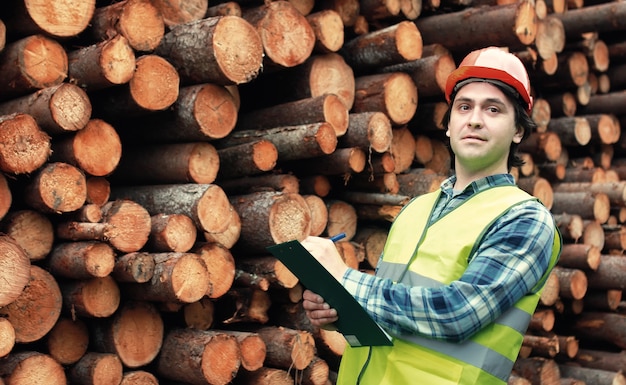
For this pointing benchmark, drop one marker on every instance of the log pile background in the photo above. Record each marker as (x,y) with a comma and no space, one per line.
(151,150)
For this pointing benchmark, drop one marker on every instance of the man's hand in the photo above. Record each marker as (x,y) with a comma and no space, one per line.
(319,312)
(325,251)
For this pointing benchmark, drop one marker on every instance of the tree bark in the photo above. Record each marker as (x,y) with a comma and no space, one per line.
(38,307)
(270,268)
(600,17)
(243,305)
(369,131)
(580,256)
(572,130)
(342,161)
(135,267)
(589,205)
(538,370)
(287,348)
(593,376)
(225,41)
(572,282)
(138,21)
(189,355)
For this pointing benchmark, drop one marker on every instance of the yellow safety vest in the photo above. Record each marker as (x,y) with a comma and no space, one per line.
(488,356)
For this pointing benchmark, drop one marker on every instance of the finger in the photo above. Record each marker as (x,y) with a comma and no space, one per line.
(311,296)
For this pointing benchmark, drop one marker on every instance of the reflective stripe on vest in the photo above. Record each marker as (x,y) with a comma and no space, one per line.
(484,358)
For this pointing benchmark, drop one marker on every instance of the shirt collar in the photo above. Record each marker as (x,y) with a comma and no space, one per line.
(477,185)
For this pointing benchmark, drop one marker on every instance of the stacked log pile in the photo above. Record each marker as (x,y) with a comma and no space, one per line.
(151,151)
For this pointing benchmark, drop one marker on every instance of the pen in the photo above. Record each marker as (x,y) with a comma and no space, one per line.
(338,237)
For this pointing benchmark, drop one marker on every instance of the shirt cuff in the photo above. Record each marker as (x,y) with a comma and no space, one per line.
(358,284)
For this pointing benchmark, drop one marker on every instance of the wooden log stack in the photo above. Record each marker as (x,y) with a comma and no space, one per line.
(150,151)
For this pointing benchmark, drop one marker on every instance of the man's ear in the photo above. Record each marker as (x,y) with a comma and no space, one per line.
(519,135)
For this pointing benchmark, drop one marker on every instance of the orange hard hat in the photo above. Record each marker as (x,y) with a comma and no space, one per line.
(492,63)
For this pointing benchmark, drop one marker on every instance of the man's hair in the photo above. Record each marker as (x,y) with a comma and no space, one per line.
(522,121)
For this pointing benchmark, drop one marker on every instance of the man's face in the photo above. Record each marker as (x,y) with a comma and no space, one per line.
(482,128)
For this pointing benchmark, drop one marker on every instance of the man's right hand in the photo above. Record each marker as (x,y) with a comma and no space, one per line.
(319,312)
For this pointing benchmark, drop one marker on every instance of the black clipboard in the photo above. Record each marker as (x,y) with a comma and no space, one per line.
(354,322)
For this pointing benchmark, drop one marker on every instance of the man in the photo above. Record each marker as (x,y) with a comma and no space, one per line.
(463,267)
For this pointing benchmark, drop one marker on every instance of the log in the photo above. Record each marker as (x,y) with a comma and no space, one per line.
(171,232)
(593,18)
(347,9)
(102,65)
(572,282)
(6,197)
(15,158)
(315,184)
(246,279)
(57,187)
(319,214)
(97,369)
(372,239)
(38,307)
(600,359)
(263,376)
(125,225)
(271,218)
(369,131)
(286,35)
(199,314)
(379,9)
(154,87)
(202,112)
(402,149)
(342,161)
(542,320)
(601,326)
(593,376)
(7,337)
(225,40)
(230,235)
(417,183)
(397,43)
(429,73)
(541,114)
(603,300)
(616,191)
(29,367)
(542,346)
(328,29)
(188,355)
(243,305)
(608,103)
(316,373)
(134,334)
(286,183)
(224,9)
(394,94)
(538,370)
(342,218)
(56,20)
(98,190)
(139,377)
(287,348)
(572,130)
(196,162)
(324,108)
(543,146)
(175,12)
(68,340)
(550,37)
(138,21)
(292,142)
(512,25)
(81,260)
(580,256)
(96,149)
(97,297)
(15,271)
(220,265)
(31,230)
(252,347)
(551,290)
(269,268)
(30,64)
(177,277)
(538,187)
(320,74)
(589,205)
(57,109)
(89,212)
(206,204)
(570,225)
(609,274)
(247,159)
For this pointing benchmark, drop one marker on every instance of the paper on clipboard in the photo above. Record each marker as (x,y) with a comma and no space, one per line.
(354,322)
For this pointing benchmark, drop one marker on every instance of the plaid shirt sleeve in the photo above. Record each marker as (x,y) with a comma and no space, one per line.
(511,260)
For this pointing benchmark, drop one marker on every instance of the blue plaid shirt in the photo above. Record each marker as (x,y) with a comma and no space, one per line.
(511,260)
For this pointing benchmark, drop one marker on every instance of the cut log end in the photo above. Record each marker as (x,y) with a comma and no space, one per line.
(155,84)
(240,52)
(25,146)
